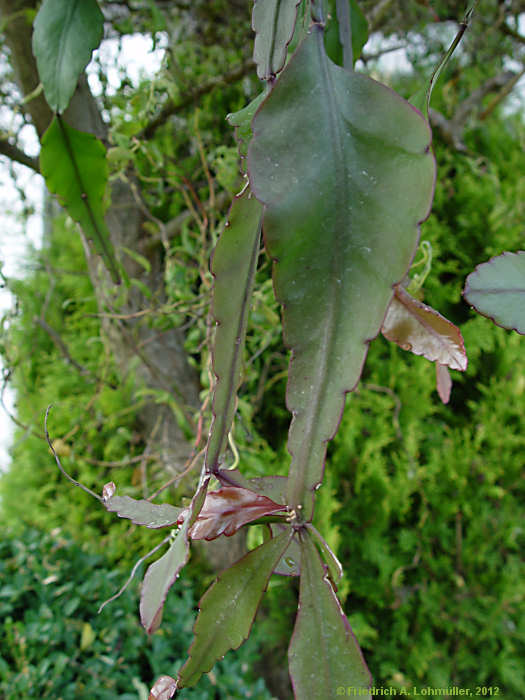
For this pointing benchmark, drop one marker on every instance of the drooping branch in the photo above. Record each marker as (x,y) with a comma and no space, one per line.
(173,227)
(473,101)
(501,95)
(17,155)
(512,33)
(194,96)
(376,15)
(451,130)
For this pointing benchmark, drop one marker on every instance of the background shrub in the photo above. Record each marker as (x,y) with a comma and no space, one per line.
(55,646)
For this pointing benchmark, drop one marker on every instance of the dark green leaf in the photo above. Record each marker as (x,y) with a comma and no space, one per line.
(228,608)
(65,35)
(342,228)
(74,166)
(273,22)
(234,264)
(324,654)
(143,512)
(497,290)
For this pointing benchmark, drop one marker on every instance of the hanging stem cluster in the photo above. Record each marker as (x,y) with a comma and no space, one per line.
(338,176)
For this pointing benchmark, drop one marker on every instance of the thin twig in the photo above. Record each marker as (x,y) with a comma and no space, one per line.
(502,94)
(122,463)
(512,32)
(463,26)
(177,477)
(175,225)
(27,428)
(73,481)
(133,572)
(209,178)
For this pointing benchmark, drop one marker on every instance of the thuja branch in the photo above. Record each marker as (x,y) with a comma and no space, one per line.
(194,96)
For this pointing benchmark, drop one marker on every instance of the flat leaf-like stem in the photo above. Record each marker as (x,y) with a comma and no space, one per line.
(344,169)
(163,573)
(241,121)
(290,562)
(65,34)
(419,328)
(160,577)
(75,168)
(233,266)
(226,510)
(497,290)
(324,655)
(152,515)
(273,22)
(274,487)
(335,568)
(228,608)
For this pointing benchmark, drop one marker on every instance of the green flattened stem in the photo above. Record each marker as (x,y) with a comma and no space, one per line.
(344,169)
(228,608)
(273,22)
(324,655)
(234,265)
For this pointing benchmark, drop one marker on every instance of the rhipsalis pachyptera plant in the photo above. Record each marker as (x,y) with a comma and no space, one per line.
(338,174)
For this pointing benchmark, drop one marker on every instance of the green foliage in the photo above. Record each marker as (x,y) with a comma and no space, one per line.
(54,644)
